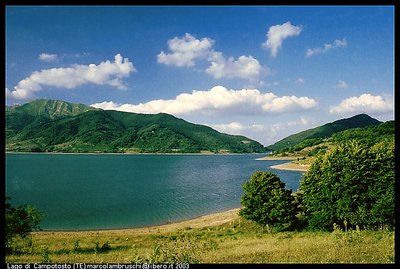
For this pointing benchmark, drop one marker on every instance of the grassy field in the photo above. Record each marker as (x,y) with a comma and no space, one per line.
(218,238)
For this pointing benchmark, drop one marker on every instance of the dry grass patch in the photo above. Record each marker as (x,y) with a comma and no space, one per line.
(234,241)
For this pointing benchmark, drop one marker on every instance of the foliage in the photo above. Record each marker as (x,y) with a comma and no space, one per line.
(299,222)
(74,129)
(315,136)
(368,135)
(267,202)
(20,222)
(351,185)
(317,150)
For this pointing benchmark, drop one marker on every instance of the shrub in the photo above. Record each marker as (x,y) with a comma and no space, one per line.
(20,222)
(267,202)
(351,185)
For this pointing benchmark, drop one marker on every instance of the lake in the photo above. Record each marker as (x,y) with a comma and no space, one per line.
(107,191)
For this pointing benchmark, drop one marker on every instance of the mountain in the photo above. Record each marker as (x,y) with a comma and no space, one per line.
(38,111)
(369,135)
(58,126)
(314,136)
(51,109)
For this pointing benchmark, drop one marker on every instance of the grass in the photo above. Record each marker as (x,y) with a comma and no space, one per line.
(234,241)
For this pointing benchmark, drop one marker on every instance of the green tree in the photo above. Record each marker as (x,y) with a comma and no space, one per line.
(298,211)
(267,202)
(382,192)
(20,221)
(351,185)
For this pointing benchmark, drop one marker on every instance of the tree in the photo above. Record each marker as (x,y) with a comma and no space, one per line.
(382,192)
(21,221)
(351,185)
(267,202)
(299,222)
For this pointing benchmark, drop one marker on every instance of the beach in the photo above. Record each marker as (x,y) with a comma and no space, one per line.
(214,219)
(277,158)
(291,165)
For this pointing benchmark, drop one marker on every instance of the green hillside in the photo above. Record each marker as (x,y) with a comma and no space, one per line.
(316,135)
(51,109)
(57,126)
(369,135)
(38,111)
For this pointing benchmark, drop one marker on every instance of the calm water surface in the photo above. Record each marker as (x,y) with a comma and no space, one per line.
(105,191)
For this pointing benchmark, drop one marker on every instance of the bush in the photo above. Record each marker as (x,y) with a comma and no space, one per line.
(351,185)
(20,222)
(267,202)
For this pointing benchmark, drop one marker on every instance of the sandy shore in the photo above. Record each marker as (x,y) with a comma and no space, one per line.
(291,167)
(277,158)
(214,219)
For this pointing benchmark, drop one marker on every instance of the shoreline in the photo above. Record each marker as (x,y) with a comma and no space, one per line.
(208,220)
(289,166)
(126,153)
(277,158)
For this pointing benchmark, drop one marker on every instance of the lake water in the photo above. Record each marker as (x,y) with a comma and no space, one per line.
(105,191)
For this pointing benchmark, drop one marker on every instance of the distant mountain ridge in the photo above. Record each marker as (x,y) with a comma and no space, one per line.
(51,109)
(312,136)
(58,126)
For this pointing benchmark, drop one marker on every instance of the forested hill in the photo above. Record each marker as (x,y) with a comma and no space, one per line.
(58,126)
(51,109)
(316,135)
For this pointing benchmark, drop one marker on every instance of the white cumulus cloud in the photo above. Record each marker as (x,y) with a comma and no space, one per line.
(231,128)
(277,33)
(105,73)
(245,67)
(365,103)
(239,128)
(327,47)
(185,50)
(218,100)
(48,57)
(289,103)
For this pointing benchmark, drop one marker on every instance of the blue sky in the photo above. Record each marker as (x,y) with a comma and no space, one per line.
(261,71)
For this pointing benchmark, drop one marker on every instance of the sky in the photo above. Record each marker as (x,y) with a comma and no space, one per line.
(265,72)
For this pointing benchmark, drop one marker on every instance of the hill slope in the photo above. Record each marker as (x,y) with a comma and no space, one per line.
(57,126)
(38,111)
(369,135)
(316,135)
(51,109)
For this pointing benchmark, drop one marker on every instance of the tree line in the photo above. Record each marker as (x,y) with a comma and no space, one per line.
(351,186)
